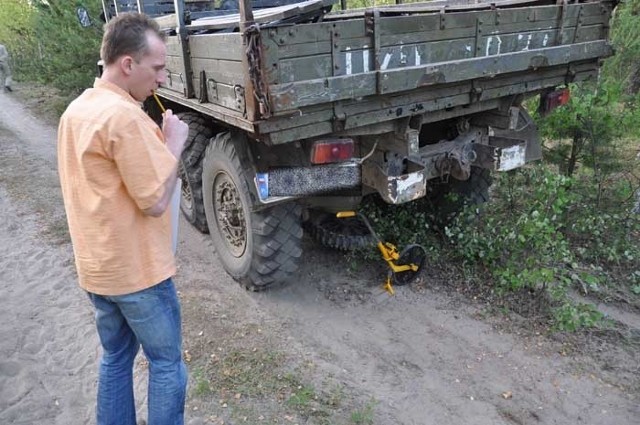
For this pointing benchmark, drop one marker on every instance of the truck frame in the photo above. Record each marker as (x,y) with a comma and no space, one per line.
(297,112)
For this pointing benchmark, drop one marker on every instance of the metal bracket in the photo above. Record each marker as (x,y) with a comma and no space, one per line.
(212,87)
(240,103)
(475,95)
(478,44)
(203,97)
(372,22)
(576,38)
(563,14)
(183,36)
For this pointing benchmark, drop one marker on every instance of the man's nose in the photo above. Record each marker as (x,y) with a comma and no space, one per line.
(161,77)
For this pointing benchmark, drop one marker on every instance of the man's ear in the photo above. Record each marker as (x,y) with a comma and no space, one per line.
(126,65)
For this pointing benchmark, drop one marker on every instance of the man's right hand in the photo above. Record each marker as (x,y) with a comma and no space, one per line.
(175,135)
(175,132)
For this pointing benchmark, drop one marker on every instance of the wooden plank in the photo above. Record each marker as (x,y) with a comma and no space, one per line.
(350,108)
(433,6)
(266,15)
(304,68)
(296,95)
(435,107)
(219,113)
(226,96)
(402,101)
(426,101)
(291,96)
(295,120)
(415,44)
(314,32)
(300,133)
(396,25)
(446,72)
(216,46)
(173,46)
(304,49)
(227,72)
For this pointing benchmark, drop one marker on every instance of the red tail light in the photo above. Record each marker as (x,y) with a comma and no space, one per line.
(332,150)
(553,99)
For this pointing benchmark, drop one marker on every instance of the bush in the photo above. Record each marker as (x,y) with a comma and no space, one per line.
(48,45)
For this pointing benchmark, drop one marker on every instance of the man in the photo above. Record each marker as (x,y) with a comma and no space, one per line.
(5,70)
(117,172)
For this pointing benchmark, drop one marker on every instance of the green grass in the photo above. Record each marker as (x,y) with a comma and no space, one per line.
(365,415)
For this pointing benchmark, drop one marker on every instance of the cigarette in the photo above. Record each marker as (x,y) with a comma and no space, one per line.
(155,96)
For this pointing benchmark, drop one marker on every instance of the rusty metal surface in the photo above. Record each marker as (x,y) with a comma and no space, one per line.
(255,60)
(396,189)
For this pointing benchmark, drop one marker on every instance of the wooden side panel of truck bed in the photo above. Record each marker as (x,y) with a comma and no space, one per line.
(352,71)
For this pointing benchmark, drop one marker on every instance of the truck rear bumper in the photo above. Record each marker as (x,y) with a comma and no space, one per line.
(499,154)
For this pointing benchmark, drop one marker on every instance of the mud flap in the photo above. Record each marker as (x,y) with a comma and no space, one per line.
(501,154)
(397,189)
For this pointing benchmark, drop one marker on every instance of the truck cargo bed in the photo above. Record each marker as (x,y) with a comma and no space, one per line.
(357,68)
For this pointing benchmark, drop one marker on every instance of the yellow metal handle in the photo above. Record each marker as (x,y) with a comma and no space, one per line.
(346,214)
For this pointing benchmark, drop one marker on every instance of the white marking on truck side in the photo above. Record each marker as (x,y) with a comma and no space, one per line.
(385,62)
(348,61)
(468,48)
(545,40)
(529,37)
(490,42)
(365,58)
(403,56)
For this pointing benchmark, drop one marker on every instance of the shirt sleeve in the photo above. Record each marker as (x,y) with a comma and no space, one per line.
(143,160)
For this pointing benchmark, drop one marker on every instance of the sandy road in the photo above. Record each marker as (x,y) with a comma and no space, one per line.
(423,357)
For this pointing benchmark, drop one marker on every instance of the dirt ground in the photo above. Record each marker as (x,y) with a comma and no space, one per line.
(330,348)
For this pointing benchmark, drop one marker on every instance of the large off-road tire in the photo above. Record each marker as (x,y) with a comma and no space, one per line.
(339,233)
(191,202)
(448,200)
(475,190)
(258,249)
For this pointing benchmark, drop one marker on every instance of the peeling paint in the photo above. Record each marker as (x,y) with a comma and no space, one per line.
(408,187)
(512,157)
(348,60)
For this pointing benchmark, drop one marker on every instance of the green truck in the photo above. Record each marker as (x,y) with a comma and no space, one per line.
(298,110)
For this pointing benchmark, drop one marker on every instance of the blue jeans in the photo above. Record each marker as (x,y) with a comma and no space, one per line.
(149,318)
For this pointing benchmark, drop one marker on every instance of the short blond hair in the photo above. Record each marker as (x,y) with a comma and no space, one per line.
(126,34)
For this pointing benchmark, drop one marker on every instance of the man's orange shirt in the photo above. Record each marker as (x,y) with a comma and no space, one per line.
(113,164)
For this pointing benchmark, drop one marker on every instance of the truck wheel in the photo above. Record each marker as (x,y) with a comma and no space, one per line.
(339,233)
(257,248)
(449,200)
(190,170)
(475,190)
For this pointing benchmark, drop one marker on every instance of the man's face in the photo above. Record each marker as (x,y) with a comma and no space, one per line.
(149,71)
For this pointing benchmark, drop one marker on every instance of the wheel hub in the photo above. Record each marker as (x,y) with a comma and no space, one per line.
(230,214)
(185,189)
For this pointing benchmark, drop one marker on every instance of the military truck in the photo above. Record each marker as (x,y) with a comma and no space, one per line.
(298,111)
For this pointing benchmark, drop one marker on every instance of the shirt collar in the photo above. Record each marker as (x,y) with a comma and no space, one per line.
(106,85)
